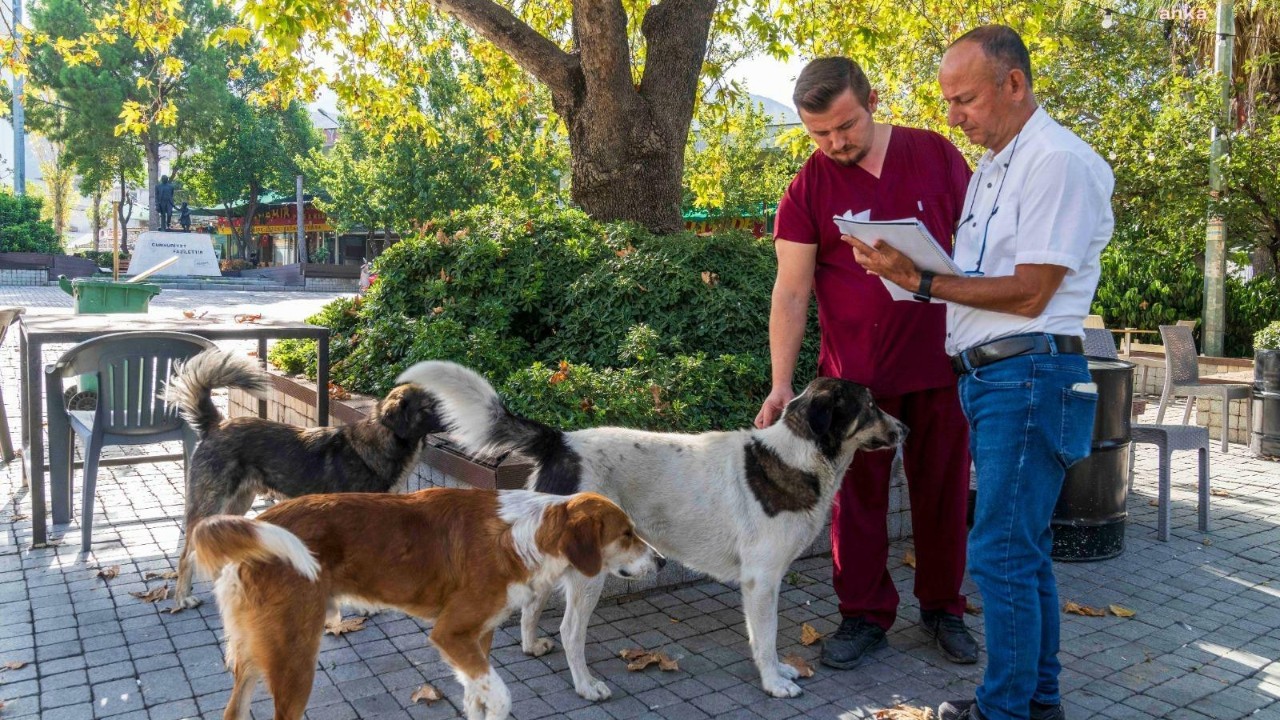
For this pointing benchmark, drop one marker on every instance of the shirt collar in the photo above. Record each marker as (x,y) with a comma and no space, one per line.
(1034,124)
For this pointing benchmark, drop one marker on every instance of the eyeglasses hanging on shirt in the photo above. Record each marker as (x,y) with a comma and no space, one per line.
(995,208)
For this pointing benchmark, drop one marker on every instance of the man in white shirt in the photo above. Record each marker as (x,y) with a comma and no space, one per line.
(1038,216)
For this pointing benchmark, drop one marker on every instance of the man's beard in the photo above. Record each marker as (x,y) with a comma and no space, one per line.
(851,160)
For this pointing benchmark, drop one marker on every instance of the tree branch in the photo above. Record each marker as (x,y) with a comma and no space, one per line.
(676,33)
(600,28)
(538,55)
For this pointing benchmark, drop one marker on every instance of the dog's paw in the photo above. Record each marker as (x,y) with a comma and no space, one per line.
(788,672)
(185,603)
(539,647)
(782,688)
(595,690)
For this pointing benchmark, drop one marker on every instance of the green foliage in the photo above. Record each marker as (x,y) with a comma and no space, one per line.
(1268,338)
(101,258)
(22,230)
(577,323)
(732,164)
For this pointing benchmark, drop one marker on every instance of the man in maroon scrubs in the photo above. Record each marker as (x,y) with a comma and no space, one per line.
(894,348)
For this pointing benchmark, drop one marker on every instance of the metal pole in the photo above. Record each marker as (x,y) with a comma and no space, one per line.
(302,236)
(19,118)
(1215,244)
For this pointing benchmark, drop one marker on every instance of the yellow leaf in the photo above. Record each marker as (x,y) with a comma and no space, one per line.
(1077,609)
(1121,611)
(143,82)
(351,624)
(808,635)
(799,663)
(427,692)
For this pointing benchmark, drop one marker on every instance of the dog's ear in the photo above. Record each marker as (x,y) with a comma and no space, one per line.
(581,542)
(819,414)
(410,412)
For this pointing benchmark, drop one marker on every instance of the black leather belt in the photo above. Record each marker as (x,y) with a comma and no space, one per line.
(1013,346)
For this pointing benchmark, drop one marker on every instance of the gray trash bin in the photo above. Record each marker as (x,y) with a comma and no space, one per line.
(1266,404)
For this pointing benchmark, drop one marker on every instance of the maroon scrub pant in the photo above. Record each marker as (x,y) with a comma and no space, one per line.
(936,461)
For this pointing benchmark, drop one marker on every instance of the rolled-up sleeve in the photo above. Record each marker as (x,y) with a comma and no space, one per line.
(1059,214)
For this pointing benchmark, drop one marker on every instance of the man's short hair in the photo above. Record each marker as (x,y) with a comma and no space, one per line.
(824,79)
(1004,47)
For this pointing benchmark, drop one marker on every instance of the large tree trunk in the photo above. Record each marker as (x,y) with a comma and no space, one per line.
(151,144)
(627,140)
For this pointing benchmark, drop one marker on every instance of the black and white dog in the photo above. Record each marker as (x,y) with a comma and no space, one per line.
(739,506)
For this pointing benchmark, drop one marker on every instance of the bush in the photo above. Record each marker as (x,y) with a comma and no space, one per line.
(576,323)
(234,265)
(1146,284)
(1268,338)
(101,258)
(22,230)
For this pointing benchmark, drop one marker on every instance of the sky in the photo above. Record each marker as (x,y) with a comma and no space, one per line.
(768,77)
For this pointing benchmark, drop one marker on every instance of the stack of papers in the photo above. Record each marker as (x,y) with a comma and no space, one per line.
(908,236)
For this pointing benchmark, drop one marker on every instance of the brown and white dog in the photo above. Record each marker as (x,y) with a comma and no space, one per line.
(465,558)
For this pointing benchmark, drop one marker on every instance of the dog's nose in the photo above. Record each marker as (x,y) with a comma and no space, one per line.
(661,562)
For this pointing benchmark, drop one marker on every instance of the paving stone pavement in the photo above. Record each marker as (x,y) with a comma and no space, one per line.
(1204,642)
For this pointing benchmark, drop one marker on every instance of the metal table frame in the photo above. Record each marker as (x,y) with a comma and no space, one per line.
(49,329)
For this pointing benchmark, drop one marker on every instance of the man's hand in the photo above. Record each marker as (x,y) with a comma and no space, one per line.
(773,405)
(881,259)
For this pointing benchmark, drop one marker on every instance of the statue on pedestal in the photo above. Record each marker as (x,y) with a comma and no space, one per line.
(164,201)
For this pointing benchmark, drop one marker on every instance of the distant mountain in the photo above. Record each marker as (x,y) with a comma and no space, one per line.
(780,114)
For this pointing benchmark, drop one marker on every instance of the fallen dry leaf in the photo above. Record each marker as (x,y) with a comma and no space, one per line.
(166,575)
(248,317)
(188,314)
(808,635)
(252,353)
(153,595)
(1154,503)
(337,392)
(14,665)
(17,517)
(639,659)
(1121,611)
(710,279)
(427,692)
(904,712)
(47,544)
(972,609)
(909,559)
(799,663)
(344,626)
(1077,609)
(625,251)
(1218,492)
(109,573)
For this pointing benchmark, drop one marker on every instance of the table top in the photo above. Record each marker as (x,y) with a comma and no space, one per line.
(67,327)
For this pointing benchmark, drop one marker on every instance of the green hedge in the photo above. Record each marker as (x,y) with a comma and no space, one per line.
(577,323)
(1145,285)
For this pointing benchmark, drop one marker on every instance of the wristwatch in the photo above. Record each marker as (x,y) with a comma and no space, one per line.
(924,292)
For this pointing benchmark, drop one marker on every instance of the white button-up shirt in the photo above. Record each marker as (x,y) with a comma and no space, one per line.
(1045,199)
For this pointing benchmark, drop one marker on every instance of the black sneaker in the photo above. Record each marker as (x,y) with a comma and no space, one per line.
(950,636)
(846,647)
(1040,711)
(959,710)
(968,710)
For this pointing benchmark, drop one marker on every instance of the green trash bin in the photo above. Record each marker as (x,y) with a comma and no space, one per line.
(103,297)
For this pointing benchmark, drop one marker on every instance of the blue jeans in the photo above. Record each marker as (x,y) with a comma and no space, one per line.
(1027,425)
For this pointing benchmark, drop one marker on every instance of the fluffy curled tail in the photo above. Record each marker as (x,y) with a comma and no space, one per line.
(480,423)
(194,380)
(220,540)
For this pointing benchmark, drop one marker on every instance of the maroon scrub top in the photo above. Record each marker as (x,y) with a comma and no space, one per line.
(891,347)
